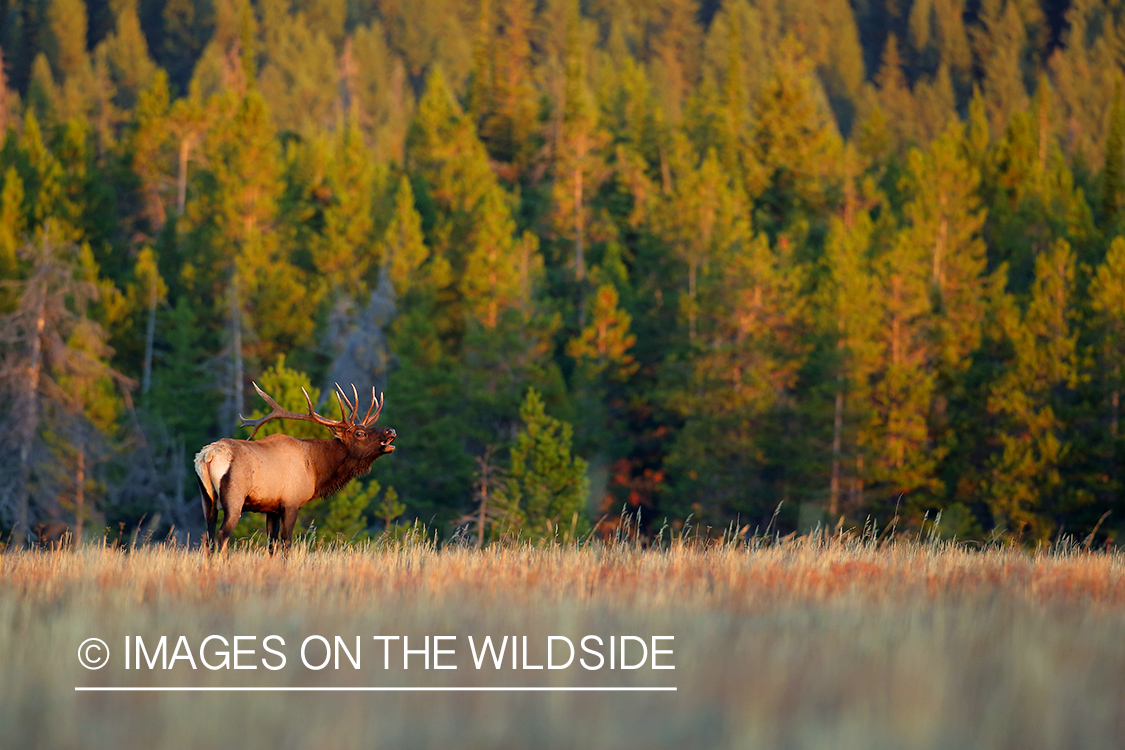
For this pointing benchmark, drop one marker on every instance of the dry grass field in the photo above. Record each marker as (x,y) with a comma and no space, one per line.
(811,643)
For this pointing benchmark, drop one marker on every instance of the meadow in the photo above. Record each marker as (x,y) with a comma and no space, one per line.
(801,643)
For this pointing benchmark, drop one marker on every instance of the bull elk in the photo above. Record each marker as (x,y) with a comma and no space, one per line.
(278,474)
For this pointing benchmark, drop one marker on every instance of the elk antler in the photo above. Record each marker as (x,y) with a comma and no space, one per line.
(375,418)
(368,418)
(279,413)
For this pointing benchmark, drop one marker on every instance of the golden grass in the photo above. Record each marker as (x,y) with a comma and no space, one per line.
(805,644)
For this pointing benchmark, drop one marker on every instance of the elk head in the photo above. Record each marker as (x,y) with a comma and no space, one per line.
(364,442)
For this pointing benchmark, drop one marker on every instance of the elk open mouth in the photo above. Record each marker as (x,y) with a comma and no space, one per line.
(387,447)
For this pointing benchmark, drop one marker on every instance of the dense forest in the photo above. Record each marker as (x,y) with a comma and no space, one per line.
(662,265)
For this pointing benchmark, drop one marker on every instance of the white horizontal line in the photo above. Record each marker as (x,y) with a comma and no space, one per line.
(286,689)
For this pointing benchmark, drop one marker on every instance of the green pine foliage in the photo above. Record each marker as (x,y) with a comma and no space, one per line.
(547,488)
(843,259)
(1026,488)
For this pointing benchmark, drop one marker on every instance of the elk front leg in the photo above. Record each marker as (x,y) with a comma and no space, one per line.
(273,523)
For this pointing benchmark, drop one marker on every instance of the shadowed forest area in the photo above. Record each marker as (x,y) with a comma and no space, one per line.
(615,264)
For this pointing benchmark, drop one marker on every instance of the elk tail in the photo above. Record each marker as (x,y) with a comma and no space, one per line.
(211,464)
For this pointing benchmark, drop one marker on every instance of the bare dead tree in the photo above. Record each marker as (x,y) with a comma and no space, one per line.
(361,352)
(51,352)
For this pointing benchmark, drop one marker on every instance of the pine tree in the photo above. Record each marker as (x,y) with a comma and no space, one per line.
(1112,177)
(935,103)
(1084,72)
(603,345)
(389,508)
(66,39)
(130,67)
(326,17)
(547,484)
(1001,45)
(943,222)
(703,218)
(179,376)
(1107,301)
(144,297)
(343,515)
(1024,486)
(345,249)
(72,81)
(233,219)
(43,178)
(794,141)
(379,92)
(443,149)
(827,30)
(897,437)
(433,467)
(733,49)
(509,127)
(674,41)
(579,166)
(854,313)
(740,384)
(404,248)
(12,223)
(634,123)
(895,98)
(497,264)
(300,77)
(432,34)
(481,79)
(150,148)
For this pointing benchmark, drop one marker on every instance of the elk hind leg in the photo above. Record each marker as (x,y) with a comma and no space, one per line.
(210,513)
(232,497)
(212,464)
(288,523)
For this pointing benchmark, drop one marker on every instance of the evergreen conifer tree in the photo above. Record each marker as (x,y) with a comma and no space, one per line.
(547,484)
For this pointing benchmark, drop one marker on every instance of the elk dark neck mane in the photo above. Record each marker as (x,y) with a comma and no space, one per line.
(335,466)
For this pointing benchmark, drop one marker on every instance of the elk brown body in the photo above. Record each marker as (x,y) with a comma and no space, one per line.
(279,474)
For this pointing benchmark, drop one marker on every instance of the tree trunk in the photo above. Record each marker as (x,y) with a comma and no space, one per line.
(837,430)
(179,474)
(1115,402)
(236,344)
(1044,130)
(939,249)
(80,494)
(691,297)
(30,416)
(579,250)
(150,335)
(858,499)
(525,280)
(896,289)
(482,513)
(181,179)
